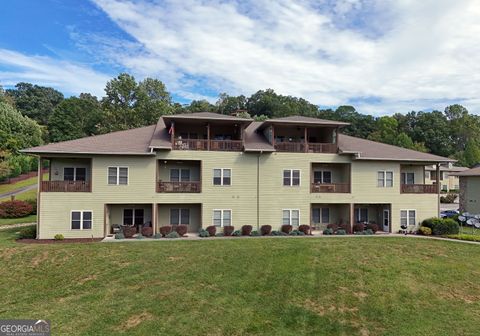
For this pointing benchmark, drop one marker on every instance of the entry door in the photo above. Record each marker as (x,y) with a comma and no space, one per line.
(386,220)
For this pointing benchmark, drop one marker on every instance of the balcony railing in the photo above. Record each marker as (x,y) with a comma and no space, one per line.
(322,147)
(299,147)
(418,189)
(178,187)
(202,144)
(330,188)
(65,186)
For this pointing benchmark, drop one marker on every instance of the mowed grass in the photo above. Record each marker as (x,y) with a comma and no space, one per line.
(4,188)
(26,195)
(28,219)
(257,286)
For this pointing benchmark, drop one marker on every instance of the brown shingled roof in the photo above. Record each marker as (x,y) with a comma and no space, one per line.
(304,121)
(160,137)
(255,141)
(371,150)
(470,172)
(130,142)
(206,116)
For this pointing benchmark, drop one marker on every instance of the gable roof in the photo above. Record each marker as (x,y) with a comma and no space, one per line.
(130,142)
(142,141)
(447,169)
(371,150)
(303,121)
(206,116)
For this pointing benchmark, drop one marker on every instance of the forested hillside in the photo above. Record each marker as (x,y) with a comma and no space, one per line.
(32,114)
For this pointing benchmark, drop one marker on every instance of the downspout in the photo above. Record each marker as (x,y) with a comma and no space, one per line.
(258,191)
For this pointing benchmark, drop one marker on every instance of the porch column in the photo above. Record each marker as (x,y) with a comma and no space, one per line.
(154,218)
(352,212)
(438,188)
(273,136)
(208,136)
(39,189)
(305,135)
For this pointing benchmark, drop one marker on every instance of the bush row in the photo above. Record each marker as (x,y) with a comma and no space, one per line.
(247,230)
(342,229)
(439,226)
(167,231)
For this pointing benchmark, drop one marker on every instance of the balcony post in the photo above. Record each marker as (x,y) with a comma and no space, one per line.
(208,136)
(273,136)
(438,188)
(305,135)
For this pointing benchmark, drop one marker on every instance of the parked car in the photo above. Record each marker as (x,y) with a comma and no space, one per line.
(448,213)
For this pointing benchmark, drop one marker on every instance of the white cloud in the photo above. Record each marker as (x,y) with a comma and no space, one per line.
(426,55)
(66,76)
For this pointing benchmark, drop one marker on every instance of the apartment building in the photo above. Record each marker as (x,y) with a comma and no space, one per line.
(204,169)
(448,178)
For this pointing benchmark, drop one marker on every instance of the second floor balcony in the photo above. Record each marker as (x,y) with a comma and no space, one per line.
(178,176)
(67,175)
(205,145)
(418,188)
(330,178)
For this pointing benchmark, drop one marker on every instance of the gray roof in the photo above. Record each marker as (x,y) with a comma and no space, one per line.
(447,169)
(206,116)
(470,172)
(141,141)
(303,121)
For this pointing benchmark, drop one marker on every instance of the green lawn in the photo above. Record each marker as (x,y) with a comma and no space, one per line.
(271,286)
(28,219)
(11,187)
(29,194)
(469,230)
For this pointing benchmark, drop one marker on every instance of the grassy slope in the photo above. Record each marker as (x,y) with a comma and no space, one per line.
(11,187)
(28,219)
(329,286)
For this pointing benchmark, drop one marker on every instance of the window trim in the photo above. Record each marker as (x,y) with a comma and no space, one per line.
(180,174)
(179,216)
(291,177)
(322,179)
(404,177)
(359,219)
(118,175)
(75,173)
(133,216)
(290,216)
(221,217)
(408,217)
(385,178)
(222,177)
(81,220)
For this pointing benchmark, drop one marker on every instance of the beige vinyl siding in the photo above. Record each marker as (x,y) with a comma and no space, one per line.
(240,196)
(58,164)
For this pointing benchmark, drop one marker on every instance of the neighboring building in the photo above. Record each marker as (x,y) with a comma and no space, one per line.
(206,169)
(470,190)
(448,179)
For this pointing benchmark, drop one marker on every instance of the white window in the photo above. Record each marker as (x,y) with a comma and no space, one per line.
(444,187)
(74,173)
(322,176)
(427,175)
(222,176)
(291,217)
(321,215)
(291,177)
(408,178)
(117,175)
(407,217)
(222,217)
(179,216)
(385,179)
(81,219)
(179,175)
(133,217)
(361,215)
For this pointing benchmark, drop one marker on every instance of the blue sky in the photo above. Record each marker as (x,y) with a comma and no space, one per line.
(381,56)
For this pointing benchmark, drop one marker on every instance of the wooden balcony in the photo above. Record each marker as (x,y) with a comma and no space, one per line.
(213,145)
(310,147)
(330,188)
(65,186)
(418,189)
(178,187)
(226,145)
(190,144)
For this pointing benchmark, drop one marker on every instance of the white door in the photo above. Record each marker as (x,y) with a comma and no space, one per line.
(386,220)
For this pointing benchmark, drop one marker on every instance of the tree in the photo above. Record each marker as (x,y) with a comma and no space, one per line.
(153,100)
(229,104)
(273,105)
(199,106)
(16,131)
(471,154)
(75,118)
(35,102)
(361,125)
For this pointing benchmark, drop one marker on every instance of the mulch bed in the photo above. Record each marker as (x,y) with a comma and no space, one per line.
(64,241)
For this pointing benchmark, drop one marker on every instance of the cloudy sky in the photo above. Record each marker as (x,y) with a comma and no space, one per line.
(380,56)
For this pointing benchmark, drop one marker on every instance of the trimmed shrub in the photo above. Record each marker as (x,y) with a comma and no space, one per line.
(181,229)
(119,235)
(369,232)
(203,233)
(129,231)
(33,203)
(373,227)
(278,233)
(359,227)
(29,232)
(15,209)
(172,235)
(147,231)
(140,236)
(449,198)
(157,235)
(426,231)
(265,230)
(59,236)
(344,227)
(359,233)
(228,230)
(305,229)
(236,233)
(341,232)
(328,231)
(332,226)
(246,230)
(446,226)
(212,230)
(431,222)
(255,233)
(286,228)
(165,230)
